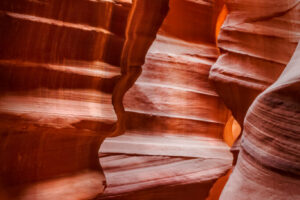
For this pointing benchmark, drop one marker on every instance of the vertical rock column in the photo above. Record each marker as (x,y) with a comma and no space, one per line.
(143,23)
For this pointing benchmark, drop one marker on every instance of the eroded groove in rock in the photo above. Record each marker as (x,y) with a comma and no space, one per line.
(268,165)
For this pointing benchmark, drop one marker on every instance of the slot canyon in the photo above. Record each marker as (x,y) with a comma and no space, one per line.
(149,99)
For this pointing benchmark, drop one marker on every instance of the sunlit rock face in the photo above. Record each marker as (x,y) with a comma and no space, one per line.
(173,146)
(256,41)
(74,72)
(60,64)
(268,166)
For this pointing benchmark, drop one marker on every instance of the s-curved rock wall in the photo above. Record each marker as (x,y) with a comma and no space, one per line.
(268,166)
(65,67)
(256,41)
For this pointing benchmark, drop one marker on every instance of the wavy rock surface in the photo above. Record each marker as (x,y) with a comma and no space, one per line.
(268,165)
(256,41)
(174,118)
(60,64)
(140,166)
(65,67)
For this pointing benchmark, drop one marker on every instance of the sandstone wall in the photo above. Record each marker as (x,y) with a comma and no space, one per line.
(60,64)
(268,164)
(173,141)
(257,41)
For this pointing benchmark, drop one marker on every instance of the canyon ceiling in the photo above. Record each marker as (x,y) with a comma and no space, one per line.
(149,99)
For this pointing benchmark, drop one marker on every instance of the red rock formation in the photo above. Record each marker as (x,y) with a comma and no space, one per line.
(59,67)
(256,41)
(154,165)
(140,32)
(268,165)
(174,118)
(65,67)
(216,190)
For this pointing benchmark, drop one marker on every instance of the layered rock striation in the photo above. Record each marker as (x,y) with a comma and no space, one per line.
(173,141)
(61,63)
(268,164)
(75,72)
(256,41)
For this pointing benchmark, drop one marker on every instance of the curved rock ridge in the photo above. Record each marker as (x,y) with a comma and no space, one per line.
(268,166)
(256,41)
(143,23)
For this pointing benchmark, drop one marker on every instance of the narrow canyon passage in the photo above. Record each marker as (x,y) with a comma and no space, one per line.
(149,99)
(175,120)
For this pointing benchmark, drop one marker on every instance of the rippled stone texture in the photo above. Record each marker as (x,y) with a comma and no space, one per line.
(268,166)
(174,118)
(65,67)
(256,41)
(139,166)
(60,64)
